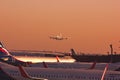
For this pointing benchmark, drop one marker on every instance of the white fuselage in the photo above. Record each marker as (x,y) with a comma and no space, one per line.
(60,74)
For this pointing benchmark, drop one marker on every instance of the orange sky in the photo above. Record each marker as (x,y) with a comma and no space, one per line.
(91,24)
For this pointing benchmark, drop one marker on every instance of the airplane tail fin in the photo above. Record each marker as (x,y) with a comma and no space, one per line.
(57,58)
(45,65)
(104,72)
(93,65)
(73,52)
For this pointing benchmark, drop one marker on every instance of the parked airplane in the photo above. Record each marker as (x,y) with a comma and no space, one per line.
(60,74)
(11,60)
(112,58)
(6,56)
(58,37)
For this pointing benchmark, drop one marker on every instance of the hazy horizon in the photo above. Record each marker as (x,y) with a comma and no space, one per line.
(91,25)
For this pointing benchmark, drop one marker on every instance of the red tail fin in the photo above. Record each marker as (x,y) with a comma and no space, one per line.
(23,72)
(104,72)
(93,65)
(45,65)
(57,59)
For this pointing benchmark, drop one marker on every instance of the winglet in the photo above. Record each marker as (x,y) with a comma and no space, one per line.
(57,59)
(45,65)
(23,72)
(104,72)
(93,65)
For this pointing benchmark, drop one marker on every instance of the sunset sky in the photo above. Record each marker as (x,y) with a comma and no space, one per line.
(90,25)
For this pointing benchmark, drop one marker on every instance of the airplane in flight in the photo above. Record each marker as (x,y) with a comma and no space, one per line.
(21,73)
(58,37)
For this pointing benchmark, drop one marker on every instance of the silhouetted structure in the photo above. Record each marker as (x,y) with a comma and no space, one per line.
(110,58)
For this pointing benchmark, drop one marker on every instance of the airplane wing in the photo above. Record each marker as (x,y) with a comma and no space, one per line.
(25,75)
(104,72)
